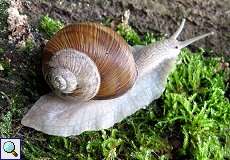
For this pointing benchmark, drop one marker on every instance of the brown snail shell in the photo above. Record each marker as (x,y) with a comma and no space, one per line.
(96,61)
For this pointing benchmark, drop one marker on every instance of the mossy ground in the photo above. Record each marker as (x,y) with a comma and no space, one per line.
(191,120)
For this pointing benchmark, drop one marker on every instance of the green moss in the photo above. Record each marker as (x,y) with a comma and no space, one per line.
(195,98)
(28,47)
(3,12)
(5,67)
(151,146)
(49,26)
(129,34)
(1,51)
(6,124)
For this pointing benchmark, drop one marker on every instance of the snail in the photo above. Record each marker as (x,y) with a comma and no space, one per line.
(98,79)
(87,60)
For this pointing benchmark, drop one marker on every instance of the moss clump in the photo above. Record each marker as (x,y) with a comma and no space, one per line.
(131,36)
(6,124)
(27,47)
(194,98)
(49,26)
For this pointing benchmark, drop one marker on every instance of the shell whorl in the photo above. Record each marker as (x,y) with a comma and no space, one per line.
(63,80)
(108,50)
(73,74)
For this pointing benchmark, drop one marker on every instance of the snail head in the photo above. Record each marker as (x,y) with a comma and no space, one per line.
(174,43)
(172,46)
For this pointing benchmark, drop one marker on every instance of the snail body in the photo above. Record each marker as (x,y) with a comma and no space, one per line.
(57,116)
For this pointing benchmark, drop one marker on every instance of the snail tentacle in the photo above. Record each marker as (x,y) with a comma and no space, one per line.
(190,41)
(179,30)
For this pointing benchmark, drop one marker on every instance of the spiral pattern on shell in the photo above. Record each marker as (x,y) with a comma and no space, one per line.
(107,50)
(67,77)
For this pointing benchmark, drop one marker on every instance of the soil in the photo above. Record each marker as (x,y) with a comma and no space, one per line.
(158,16)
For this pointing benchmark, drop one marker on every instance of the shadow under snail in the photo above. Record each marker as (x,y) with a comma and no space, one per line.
(97,79)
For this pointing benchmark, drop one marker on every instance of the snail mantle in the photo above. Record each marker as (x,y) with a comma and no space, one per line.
(97,79)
